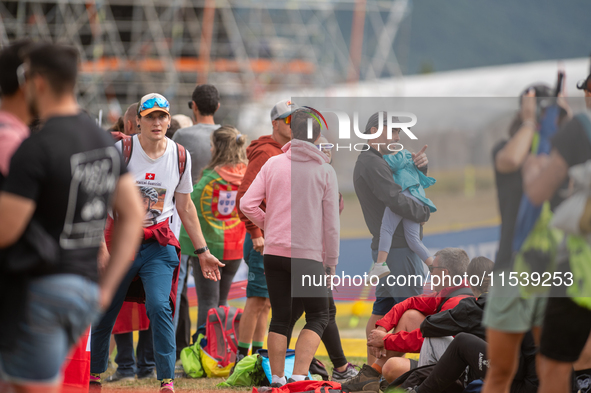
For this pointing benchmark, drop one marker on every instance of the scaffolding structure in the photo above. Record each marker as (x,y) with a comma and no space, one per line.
(244,47)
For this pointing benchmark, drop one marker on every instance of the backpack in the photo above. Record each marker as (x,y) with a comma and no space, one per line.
(221,332)
(304,387)
(127,149)
(191,360)
(318,368)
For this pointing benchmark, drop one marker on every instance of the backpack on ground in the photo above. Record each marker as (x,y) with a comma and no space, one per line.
(318,368)
(289,363)
(303,387)
(191,360)
(221,332)
(248,372)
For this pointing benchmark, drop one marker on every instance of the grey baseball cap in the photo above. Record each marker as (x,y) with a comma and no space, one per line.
(282,109)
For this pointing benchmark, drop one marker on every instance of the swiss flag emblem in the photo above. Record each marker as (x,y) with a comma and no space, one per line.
(150,176)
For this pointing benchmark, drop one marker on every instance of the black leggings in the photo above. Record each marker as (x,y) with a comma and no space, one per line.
(465,350)
(281,282)
(469,350)
(331,337)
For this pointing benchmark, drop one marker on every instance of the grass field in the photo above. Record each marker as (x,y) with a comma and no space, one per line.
(189,385)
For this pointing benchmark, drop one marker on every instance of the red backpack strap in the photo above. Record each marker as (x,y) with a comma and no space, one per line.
(127,149)
(182,155)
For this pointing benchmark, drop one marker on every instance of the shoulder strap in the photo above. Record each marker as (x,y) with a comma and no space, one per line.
(182,155)
(584,119)
(127,149)
(457,292)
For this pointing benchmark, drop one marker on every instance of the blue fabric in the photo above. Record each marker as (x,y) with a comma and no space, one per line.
(60,308)
(474,386)
(528,213)
(155,265)
(289,364)
(126,359)
(407,176)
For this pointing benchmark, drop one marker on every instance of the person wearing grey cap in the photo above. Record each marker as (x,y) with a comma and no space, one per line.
(376,190)
(253,325)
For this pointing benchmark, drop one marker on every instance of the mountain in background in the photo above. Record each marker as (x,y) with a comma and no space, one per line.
(455,34)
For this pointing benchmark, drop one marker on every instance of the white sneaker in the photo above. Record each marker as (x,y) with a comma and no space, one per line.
(379,269)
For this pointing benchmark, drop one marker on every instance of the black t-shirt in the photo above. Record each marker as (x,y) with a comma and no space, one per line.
(70,169)
(509,192)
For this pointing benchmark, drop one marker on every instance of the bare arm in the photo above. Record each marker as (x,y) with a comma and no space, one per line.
(15,212)
(127,233)
(512,156)
(543,175)
(188,215)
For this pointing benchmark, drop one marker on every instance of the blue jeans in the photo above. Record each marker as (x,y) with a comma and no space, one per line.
(155,265)
(183,271)
(60,308)
(400,261)
(126,360)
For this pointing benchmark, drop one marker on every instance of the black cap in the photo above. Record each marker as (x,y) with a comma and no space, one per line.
(374,121)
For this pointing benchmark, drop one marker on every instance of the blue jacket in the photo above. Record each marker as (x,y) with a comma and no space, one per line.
(407,176)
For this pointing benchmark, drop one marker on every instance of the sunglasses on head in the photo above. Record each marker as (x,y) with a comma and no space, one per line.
(152,102)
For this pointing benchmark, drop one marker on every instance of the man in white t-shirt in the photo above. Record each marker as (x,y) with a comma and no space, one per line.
(154,163)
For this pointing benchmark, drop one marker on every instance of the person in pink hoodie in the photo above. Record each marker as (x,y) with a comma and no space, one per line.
(301,182)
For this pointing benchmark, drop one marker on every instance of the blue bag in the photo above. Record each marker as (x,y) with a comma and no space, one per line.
(289,363)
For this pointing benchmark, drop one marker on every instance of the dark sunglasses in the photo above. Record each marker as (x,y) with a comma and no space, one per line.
(190,103)
(431,268)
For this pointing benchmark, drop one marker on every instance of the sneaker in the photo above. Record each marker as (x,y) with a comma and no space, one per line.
(379,269)
(95,381)
(167,386)
(119,377)
(290,380)
(367,380)
(151,375)
(343,376)
(239,357)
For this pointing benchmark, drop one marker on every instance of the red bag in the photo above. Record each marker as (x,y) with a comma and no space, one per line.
(303,387)
(221,332)
(76,369)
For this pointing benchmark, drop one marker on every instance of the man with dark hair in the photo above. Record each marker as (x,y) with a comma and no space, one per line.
(301,224)
(196,139)
(14,113)
(205,103)
(376,190)
(51,188)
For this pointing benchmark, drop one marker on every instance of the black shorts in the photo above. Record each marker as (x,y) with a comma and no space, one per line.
(565,330)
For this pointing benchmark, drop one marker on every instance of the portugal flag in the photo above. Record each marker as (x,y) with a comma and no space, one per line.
(215,200)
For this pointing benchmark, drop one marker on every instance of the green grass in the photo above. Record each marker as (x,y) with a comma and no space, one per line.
(189,385)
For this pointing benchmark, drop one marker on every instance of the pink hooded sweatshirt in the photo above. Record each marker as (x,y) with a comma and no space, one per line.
(302,197)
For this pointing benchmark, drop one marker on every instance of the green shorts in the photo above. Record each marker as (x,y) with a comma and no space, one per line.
(506,310)
(257,283)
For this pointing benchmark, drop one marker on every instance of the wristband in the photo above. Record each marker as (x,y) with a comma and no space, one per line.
(201,250)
